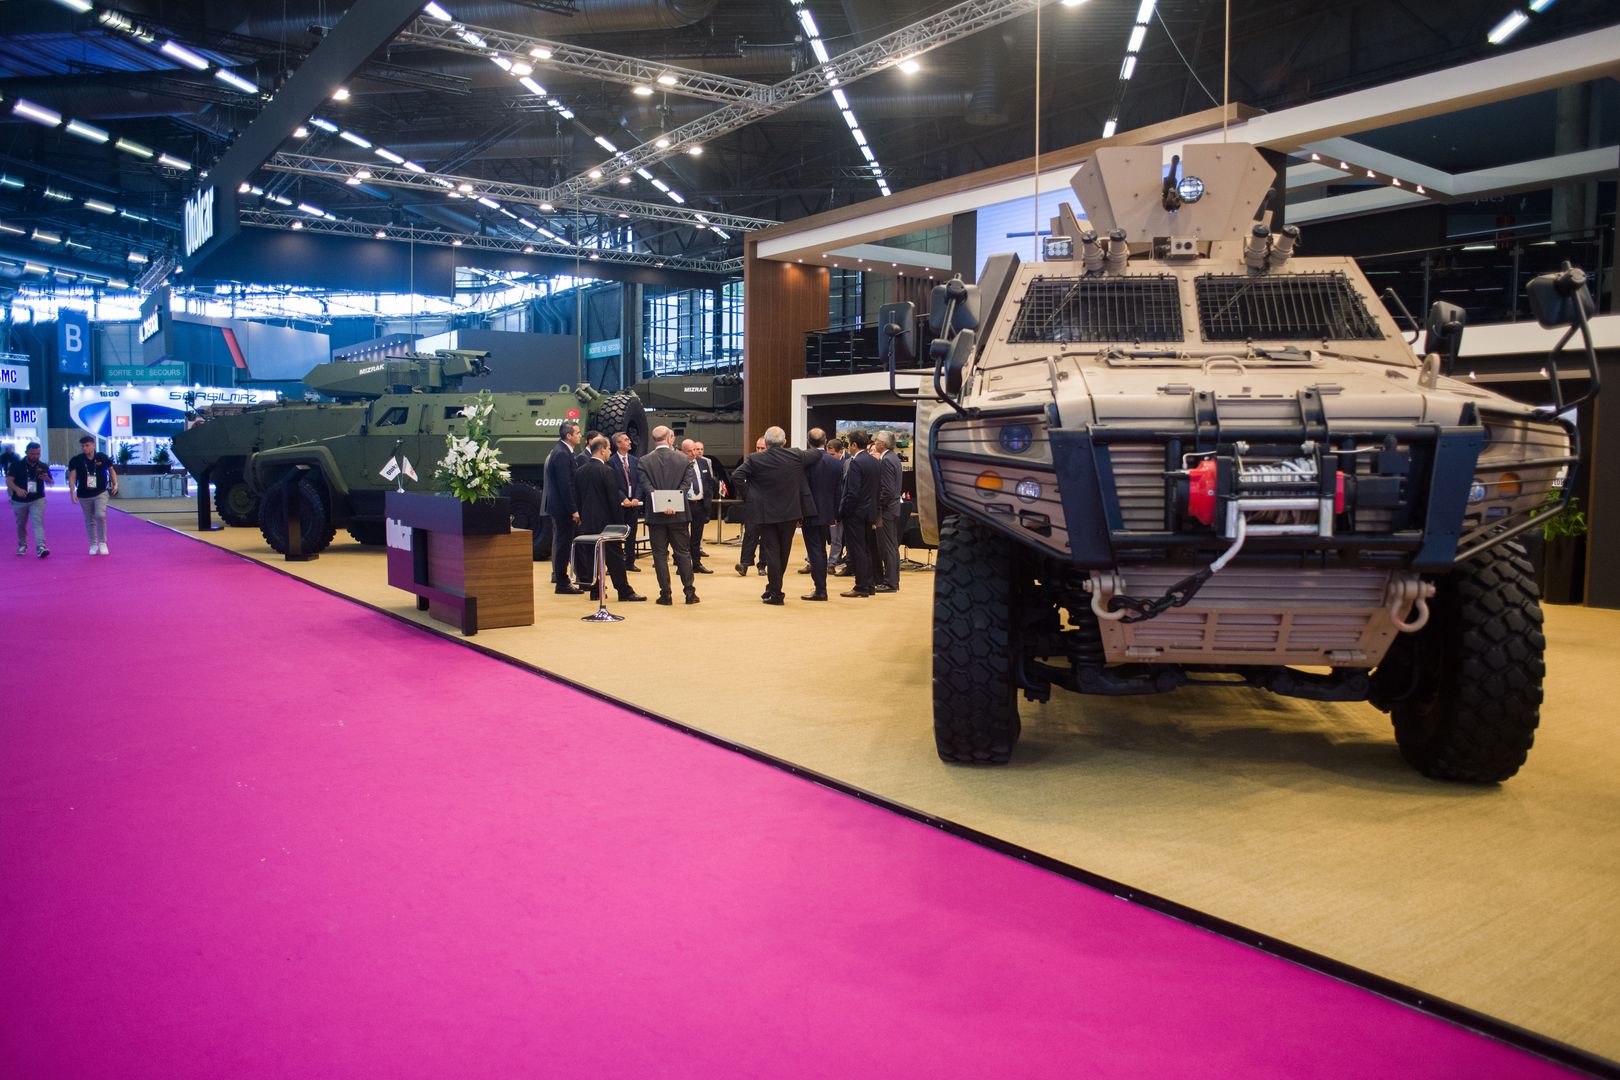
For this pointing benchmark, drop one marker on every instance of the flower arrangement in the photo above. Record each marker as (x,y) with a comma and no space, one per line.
(472,469)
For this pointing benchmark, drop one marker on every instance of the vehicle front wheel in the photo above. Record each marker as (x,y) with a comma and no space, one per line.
(233,498)
(1464,692)
(975,696)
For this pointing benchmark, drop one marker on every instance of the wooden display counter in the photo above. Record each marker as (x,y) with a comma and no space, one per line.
(467,566)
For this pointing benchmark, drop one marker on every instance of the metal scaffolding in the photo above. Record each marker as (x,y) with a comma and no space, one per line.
(961,21)
(416,234)
(544,54)
(522,194)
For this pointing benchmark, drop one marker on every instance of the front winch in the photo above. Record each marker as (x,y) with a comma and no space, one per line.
(1235,494)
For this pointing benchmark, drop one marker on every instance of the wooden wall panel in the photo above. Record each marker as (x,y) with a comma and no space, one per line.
(781,301)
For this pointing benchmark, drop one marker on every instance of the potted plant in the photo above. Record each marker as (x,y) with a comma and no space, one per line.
(126,454)
(1563,553)
(161,458)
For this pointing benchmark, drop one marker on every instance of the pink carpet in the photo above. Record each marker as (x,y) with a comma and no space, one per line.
(248,829)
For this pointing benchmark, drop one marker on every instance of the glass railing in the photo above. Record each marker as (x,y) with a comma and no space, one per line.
(1486,275)
(852,349)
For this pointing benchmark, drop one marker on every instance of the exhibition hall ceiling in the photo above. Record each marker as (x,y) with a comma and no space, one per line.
(111,111)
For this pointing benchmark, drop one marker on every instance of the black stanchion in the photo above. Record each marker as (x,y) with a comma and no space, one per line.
(205,512)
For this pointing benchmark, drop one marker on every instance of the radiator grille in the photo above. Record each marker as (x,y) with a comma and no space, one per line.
(1100,309)
(1139,484)
(1233,307)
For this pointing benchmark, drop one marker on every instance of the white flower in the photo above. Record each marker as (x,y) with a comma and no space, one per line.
(469,412)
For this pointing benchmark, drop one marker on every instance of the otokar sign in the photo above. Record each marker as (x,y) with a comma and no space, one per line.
(197,224)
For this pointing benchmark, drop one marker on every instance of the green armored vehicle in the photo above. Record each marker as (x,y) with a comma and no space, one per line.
(707,408)
(339,480)
(216,449)
(1174,451)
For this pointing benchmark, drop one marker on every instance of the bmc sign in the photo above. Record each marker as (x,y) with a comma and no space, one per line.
(197,226)
(13,377)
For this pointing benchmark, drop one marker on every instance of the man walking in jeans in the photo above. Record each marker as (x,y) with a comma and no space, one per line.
(91,479)
(26,481)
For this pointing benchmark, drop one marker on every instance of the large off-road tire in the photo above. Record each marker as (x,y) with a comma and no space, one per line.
(314,516)
(369,533)
(975,696)
(1465,691)
(528,512)
(623,412)
(235,501)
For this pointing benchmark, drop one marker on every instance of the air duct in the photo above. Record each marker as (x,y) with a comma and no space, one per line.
(988,106)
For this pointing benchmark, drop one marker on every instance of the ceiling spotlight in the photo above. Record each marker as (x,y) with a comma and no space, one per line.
(341,94)
(297,225)
(520,68)
(662,142)
(381,234)
(1420,190)
(528,249)
(1371,175)
(546,208)
(696,149)
(465,189)
(594,256)
(642,90)
(1316,157)
(353,181)
(300,132)
(1395,180)
(666,79)
(541,53)
(455,243)
(910,67)
(595,174)
(625,180)
(624,215)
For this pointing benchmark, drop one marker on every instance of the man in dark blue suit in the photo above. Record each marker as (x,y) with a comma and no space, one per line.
(562,504)
(826,491)
(627,474)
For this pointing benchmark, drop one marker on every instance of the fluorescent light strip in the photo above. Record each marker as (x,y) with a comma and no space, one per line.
(59,196)
(10,182)
(37,113)
(1128,68)
(1512,24)
(236,82)
(87,131)
(388,155)
(100,207)
(174,162)
(325,125)
(1138,35)
(184,55)
(312,211)
(81,6)
(532,87)
(129,146)
(436,12)
(351,137)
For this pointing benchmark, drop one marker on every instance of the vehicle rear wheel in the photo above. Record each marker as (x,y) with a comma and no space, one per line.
(623,412)
(314,517)
(235,501)
(370,533)
(975,697)
(1464,692)
(528,512)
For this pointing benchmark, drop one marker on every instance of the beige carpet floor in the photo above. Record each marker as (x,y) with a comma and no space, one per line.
(1296,819)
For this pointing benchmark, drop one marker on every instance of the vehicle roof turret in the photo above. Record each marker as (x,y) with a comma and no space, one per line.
(360,380)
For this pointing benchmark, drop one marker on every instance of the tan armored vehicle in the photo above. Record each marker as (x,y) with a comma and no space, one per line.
(1175,452)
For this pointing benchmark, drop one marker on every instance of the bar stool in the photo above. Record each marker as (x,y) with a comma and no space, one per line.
(613,534)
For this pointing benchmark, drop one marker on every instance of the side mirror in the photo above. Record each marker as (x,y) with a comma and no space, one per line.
(897,337)
(1560,298)
(1443,333)
(953,306)
(956,361)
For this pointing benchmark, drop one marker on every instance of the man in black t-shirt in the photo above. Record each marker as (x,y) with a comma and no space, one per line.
(26,482)
(91,479)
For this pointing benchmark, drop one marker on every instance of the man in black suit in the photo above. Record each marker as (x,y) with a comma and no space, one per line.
(627,474)
(750,535)
(860,512)
(778,499)
(699,499)
(562,504)
(602,503)
(667,469)
(826,485)
(887,536)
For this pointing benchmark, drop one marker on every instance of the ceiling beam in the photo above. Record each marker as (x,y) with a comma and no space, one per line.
(367,26)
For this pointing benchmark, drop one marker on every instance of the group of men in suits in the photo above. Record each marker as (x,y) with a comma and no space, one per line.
(848,504)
